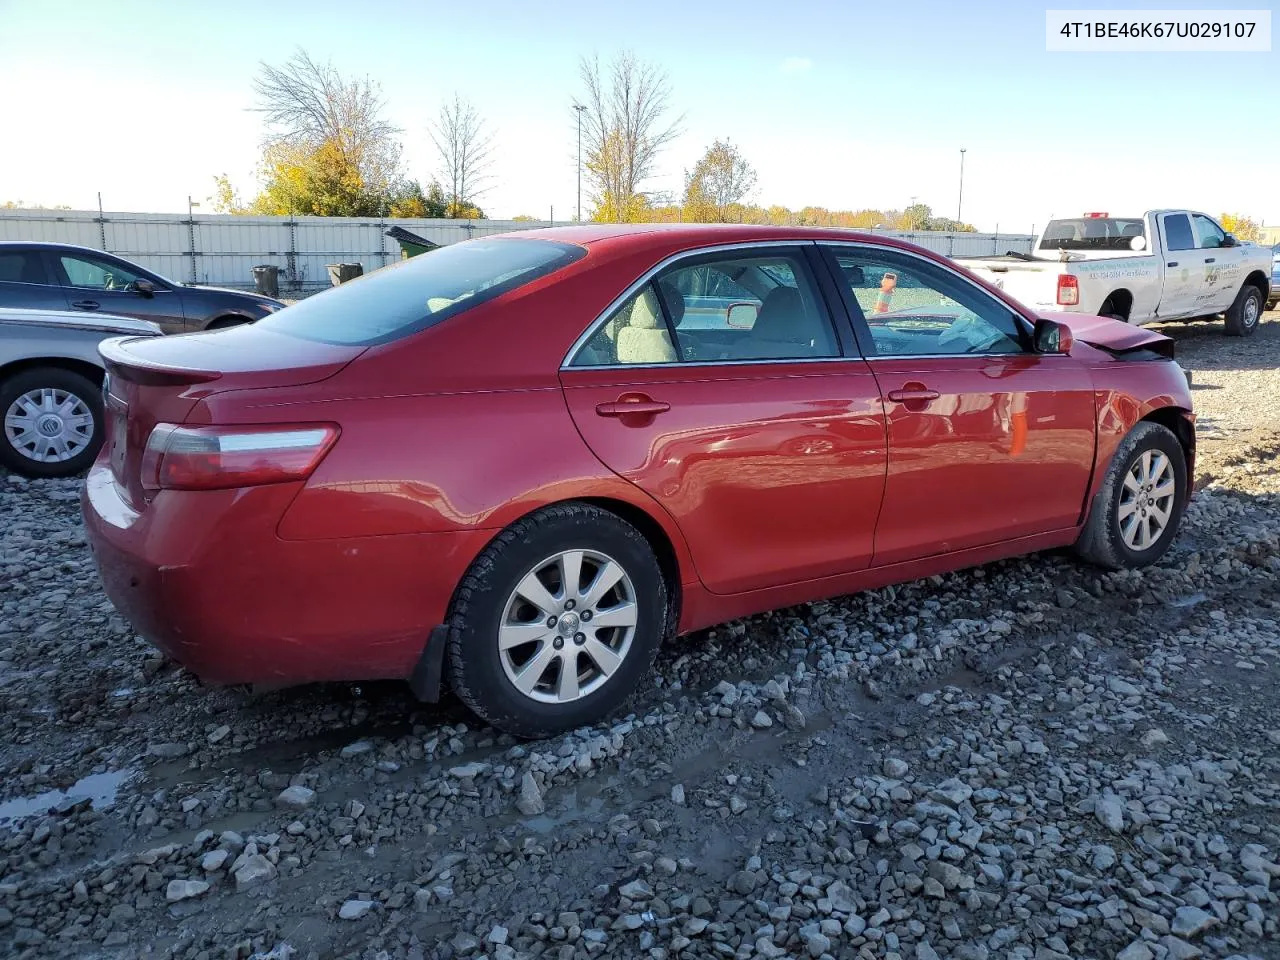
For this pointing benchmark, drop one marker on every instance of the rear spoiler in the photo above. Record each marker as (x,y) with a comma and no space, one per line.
(121,365)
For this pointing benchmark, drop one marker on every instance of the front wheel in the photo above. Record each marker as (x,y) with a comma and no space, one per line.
(1135,515)
(557,622)
(53,422)
(1242,318)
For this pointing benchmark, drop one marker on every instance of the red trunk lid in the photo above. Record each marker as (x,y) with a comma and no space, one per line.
(160,379)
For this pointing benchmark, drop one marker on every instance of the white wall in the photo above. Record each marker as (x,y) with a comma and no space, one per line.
(226,248)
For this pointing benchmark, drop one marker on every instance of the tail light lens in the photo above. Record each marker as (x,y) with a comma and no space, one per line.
(214,458)
(1068,290)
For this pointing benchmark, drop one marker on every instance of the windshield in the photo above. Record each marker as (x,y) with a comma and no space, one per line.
(422,291)
(1092,233)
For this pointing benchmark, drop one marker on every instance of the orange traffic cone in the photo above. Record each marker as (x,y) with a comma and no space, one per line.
(888,283)
(1018,425)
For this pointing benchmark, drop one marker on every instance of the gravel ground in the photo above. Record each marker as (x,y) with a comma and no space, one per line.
(1027,760)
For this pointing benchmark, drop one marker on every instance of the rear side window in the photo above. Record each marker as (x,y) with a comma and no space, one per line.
(21,267)
(420,292)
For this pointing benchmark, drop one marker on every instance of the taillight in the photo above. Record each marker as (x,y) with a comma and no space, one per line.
(212,458)
(1068,290)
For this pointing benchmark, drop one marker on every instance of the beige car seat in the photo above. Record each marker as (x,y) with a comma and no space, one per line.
(783,330)
(645,339)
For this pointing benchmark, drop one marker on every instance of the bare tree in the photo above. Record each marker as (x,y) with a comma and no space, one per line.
(624,130)
(307,103)
(719,184)
(466,153)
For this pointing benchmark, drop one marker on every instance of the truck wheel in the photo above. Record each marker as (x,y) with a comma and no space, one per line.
(1242,318)
(1108,310)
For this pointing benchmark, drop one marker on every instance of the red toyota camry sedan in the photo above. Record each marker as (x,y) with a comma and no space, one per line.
(516,464)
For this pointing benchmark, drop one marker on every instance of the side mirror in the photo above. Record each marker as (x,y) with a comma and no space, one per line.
(1138,243)
(741,316)
(1053,337)
(144,287)
(1229,240)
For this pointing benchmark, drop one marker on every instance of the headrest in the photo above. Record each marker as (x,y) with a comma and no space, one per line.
(645,315)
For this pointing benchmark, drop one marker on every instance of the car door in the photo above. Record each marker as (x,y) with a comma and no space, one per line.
(988,441)
(96,283)
(1182,276)
(26,281)
(765,440)
(1222,266)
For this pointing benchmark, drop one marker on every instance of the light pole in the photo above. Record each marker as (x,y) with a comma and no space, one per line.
(960,199)
(578,108)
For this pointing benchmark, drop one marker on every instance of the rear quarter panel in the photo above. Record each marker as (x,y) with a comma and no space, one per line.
(459,427)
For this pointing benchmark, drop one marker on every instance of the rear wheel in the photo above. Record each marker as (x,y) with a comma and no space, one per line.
(53,422)
(223,323)
(557,622)
(1136,514)
(1242,318)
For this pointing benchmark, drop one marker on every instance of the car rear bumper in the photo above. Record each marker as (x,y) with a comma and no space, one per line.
(203,576)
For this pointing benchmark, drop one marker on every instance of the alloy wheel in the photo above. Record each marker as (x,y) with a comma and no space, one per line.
(567,626)
(1146,500)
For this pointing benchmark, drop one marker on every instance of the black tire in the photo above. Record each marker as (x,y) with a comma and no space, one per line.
(1108,310)
(1101,541)
(1248,304)
(475,665)
(35,378)
(226,323)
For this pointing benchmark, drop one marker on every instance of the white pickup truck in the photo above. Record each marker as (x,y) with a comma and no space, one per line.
(1163,265)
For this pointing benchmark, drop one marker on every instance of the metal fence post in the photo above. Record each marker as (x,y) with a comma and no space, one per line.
(102,223)
(382,243)
(293,253)
(191,238)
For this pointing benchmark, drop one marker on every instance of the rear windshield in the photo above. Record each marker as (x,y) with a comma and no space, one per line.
(1093,233)
(422,291)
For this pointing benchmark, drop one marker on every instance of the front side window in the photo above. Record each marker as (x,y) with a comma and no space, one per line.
(1177,232)
(1208,234)
(21,267)
(97,274)
(915,308)
(422,291)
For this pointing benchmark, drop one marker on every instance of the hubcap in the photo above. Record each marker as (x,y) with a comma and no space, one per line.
(48,425)
(1146,500)
(567,626)
(1250,311)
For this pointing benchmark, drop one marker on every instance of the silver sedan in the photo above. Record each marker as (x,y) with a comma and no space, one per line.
(51,387)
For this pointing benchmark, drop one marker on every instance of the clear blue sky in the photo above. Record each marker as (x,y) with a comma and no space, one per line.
(839,104)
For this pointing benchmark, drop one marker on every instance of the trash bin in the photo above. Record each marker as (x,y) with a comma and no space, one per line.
(342,272)
(266,280)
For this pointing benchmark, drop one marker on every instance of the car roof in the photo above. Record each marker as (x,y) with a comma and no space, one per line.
(51,244)
(622,238)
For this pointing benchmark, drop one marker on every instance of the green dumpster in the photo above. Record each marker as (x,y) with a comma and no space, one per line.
(410,243)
